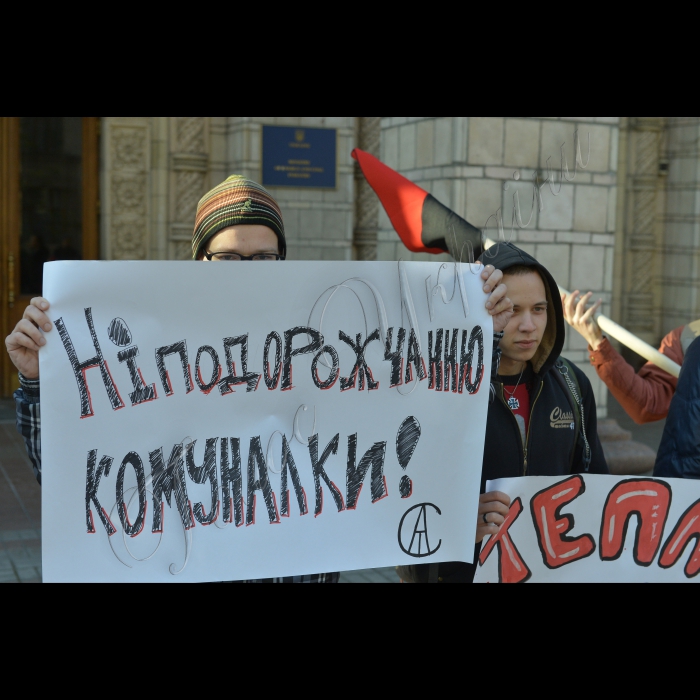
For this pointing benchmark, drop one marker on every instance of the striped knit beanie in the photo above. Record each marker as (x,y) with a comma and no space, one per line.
(236,201)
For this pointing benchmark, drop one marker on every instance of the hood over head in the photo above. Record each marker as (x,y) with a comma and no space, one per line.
(504,256)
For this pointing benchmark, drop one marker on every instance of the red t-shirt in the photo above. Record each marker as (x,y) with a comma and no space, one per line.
(521,398)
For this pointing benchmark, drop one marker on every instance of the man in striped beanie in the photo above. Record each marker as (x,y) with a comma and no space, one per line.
(238,220)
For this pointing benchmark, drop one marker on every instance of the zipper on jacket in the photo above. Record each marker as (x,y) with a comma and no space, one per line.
(529,429)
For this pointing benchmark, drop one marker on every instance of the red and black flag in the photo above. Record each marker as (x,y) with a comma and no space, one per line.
(424,224)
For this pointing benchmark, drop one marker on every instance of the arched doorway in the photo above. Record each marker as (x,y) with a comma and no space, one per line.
(49,207)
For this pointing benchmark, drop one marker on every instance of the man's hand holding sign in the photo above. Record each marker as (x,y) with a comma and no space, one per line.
(27,339)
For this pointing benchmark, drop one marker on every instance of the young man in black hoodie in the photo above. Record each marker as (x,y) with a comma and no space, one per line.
(542,417)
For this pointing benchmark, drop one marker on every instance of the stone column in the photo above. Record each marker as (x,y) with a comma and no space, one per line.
(126,188)
(679,282)
(189,180)
(642,234)
(366,202)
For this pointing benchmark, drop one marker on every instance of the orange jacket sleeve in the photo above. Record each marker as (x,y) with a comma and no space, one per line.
(645,396)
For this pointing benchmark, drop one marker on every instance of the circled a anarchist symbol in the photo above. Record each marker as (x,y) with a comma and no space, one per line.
(414,538)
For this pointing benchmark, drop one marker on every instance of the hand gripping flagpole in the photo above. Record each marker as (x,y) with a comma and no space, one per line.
(631,341)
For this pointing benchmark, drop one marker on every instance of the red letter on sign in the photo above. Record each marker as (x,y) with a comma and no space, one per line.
(552,528)
(649,500)
(511,567)
(687,529)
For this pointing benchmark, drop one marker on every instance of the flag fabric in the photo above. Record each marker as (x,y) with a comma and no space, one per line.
(422,222)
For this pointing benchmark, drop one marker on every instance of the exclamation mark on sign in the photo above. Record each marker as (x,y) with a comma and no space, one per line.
(406,443)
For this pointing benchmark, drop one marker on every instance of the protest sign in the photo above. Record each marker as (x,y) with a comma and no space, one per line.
(216,422)
(595,529)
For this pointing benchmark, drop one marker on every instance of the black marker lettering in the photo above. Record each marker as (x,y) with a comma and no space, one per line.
(232,482)
(80,369)
(250,379)
(451,366)
(256,461)
(396,358)
(356,474)
(335,368)
(272,382)
(176,349)
(466,367)
(207,388)
(200,475)
(415,360)
(133,460)
(289,467)
(165,481)
(360,367)
(142,393)
(320,473)
(435,360)
(94,476)
(312,348)
(119,333)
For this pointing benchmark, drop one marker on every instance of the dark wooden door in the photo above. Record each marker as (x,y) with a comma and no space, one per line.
(49,208)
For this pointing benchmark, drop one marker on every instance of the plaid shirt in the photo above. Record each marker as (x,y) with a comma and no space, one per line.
(316,578)
(29,420)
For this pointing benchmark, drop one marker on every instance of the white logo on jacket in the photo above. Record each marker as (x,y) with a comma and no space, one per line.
(561,420)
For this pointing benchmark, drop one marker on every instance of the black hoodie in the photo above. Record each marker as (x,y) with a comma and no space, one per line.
(553,448)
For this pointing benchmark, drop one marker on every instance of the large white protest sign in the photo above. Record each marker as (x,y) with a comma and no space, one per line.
(215,422)
(595,529)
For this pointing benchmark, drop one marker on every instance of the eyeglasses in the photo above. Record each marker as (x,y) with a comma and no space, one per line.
(235,257)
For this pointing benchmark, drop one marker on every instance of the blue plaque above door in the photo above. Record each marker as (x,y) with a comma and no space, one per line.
(300,157)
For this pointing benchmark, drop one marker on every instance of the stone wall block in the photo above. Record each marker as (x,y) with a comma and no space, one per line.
(126,192)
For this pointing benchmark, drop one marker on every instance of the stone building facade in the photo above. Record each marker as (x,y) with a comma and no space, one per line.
(155,170)
(627,226)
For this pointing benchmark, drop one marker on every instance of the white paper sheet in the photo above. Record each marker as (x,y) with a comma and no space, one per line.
(160,326)
(595,529)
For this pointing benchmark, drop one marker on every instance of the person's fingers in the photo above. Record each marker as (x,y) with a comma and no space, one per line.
(494,518)
(27,328)
(588,316)
(483,532)
(499,293)
(569,308)
(41,320)
(493,510)
(565,305)
(488,271)
(494,281)
(40,303)
(18,341)
(496,497)
(582,305)
(503,305)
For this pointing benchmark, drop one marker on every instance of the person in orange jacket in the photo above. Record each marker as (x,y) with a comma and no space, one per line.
(646,396)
